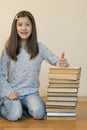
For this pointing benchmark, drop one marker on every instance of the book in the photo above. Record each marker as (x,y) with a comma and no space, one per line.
(64,76)
(65,70)
(61,114)
(61,98)
(60,110)
(60,106)
(55,89)
(64,81)
(62,94)
(60,118)
(61,103)
(54,109)
(64,85)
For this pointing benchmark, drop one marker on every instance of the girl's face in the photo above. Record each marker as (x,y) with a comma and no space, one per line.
(24,28)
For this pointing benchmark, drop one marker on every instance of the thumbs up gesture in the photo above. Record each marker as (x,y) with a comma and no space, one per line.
(63,61)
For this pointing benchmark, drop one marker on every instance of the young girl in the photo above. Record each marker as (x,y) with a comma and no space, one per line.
(20,66)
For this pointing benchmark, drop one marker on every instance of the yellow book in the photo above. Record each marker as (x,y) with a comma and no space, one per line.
(62,98)
(61,118)
(65,70)
(64,76)
(64,85)
(61,103)
(64,81)
(66,90)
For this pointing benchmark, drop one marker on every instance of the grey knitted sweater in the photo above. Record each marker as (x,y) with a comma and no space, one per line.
(23,74)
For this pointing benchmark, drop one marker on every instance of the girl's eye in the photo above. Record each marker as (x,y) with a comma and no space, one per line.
(20,25)
(28,24)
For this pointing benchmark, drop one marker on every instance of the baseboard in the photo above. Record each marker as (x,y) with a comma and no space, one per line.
(82,98)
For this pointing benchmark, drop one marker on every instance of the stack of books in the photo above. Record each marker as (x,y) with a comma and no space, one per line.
(62,93)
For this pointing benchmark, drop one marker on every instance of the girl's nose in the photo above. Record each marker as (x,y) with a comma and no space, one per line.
(23,27)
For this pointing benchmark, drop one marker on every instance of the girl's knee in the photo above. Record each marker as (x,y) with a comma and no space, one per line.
(12,110)
(14,117)
(38,114)
(11,115)
(17,114)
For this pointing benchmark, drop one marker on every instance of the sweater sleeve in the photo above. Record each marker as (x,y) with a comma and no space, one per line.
(5,87)
(48,55)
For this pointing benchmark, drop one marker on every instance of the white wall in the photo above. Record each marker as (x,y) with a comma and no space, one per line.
(61,26)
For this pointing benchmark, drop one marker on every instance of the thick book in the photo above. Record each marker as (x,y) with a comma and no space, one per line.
(65,70)
(61,98)
(60,107)
(73,94)
(55,89)
(61,113)
(64,76)
(54,109)
(64,85)
(61,103)
(61,118)
(63,81)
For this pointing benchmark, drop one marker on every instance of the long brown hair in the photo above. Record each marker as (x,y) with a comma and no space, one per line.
(13,45)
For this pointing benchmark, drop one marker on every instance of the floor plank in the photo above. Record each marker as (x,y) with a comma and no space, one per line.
(28,129)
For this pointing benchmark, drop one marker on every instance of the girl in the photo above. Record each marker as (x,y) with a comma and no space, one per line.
(20,66)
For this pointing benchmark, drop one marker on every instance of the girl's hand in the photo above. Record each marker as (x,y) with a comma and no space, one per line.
(63,61)
(13,96)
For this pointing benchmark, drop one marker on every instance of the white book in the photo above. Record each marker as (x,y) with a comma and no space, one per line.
(61,114)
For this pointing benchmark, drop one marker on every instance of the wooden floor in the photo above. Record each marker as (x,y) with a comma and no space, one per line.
(31,124)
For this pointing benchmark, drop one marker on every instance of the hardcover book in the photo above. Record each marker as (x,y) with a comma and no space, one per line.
(65,70)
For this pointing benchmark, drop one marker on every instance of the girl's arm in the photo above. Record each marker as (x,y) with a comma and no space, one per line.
(48,55)
(5,87)
(51,58)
